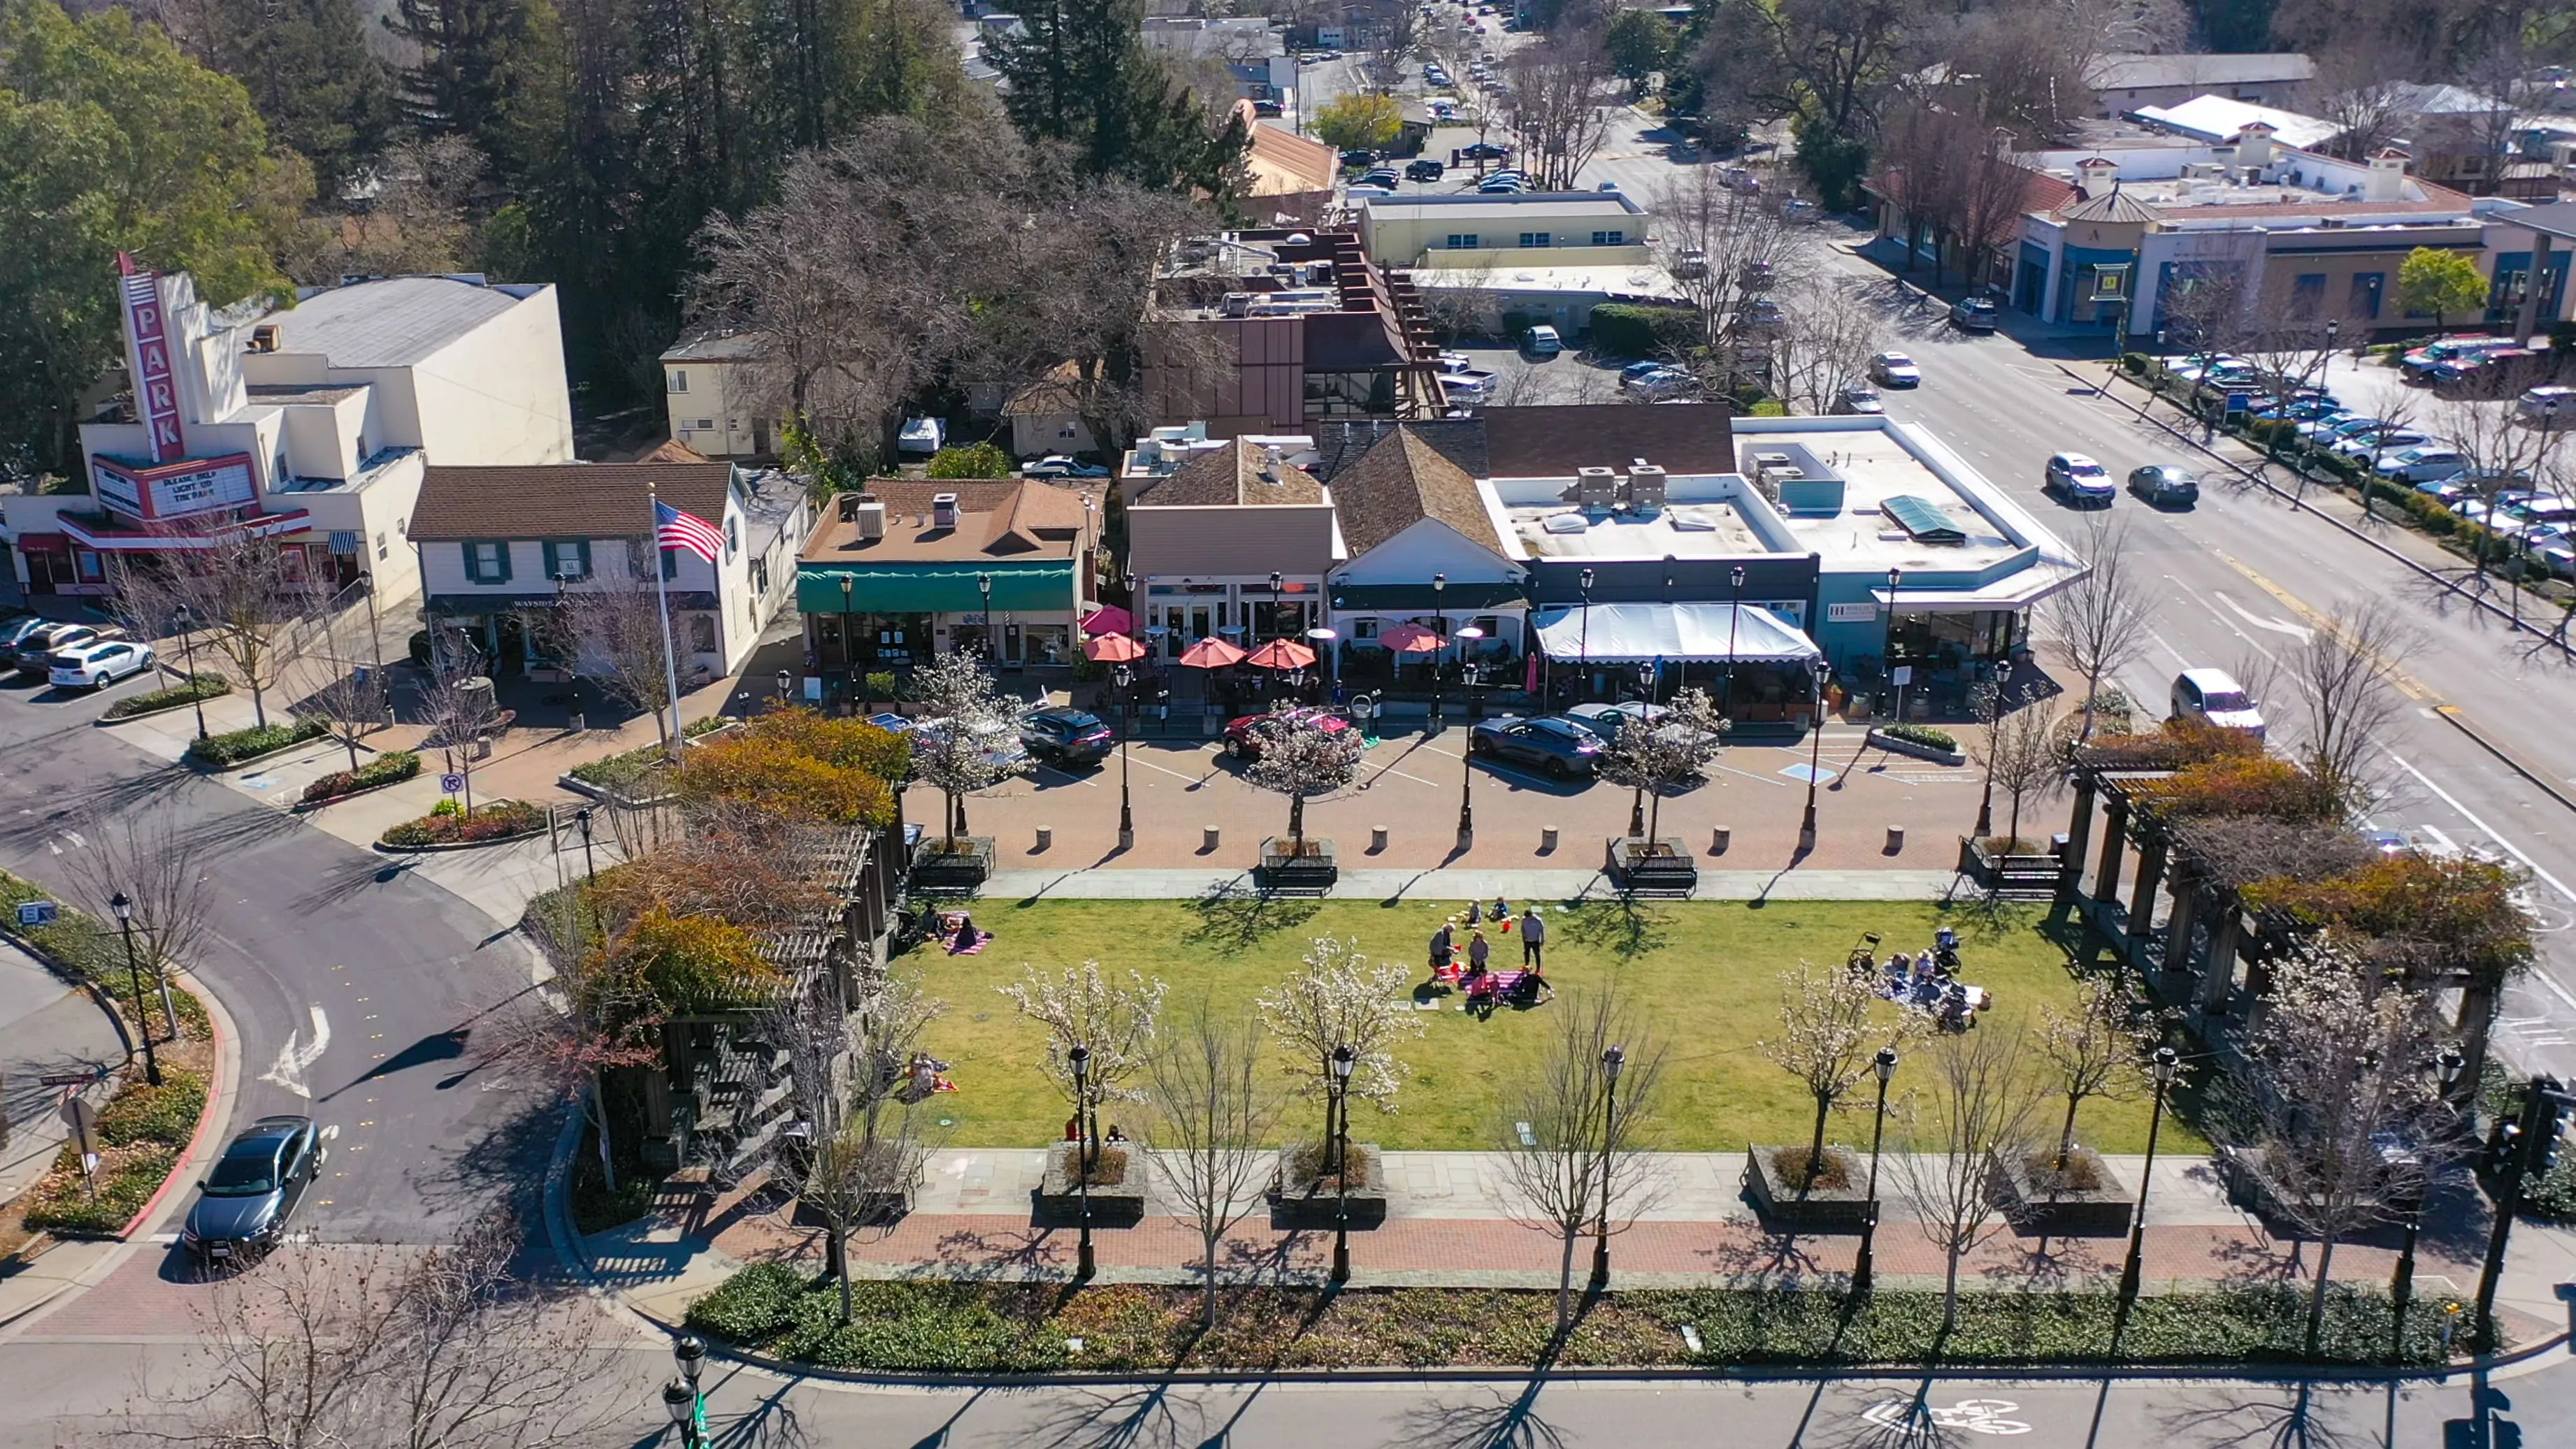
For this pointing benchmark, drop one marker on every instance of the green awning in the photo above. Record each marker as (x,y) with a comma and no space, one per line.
(934,588)
(1459,595)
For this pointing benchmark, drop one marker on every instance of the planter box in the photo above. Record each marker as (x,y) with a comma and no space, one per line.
(301,806)
(1661,867)
(2102,1209)
(2251,1187)
(1881,739)
(1306,867)
(2012,875)
(1119,1204)
(961,872)
(1312,1203)
(1820,1210)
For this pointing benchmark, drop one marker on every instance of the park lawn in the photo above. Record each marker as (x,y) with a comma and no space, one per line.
(1705,973)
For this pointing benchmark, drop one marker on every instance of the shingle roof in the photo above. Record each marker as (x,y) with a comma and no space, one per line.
(563,500)
(1234,474)
(1400,482)
(2114,206)
(1552,442)
(998,519)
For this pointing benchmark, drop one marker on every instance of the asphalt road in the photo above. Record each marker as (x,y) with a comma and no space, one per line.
(356,988)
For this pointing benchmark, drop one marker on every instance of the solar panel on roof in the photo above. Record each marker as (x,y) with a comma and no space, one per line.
(1922,519)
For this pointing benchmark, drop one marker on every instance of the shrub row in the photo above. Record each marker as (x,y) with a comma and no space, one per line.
(624,768)
(391,768)
(141,1132)
(203,686)
(89,950)
(450,825)
(924,1325)
(1926,735)
(234,746)
(1622,329)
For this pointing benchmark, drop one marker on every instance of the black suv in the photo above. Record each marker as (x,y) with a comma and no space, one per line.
(1425,169)
(244,1203)
(1065,736)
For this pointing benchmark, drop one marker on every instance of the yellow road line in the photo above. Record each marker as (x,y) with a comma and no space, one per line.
(2406,684)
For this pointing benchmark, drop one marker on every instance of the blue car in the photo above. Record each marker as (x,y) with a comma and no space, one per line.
(1558,748)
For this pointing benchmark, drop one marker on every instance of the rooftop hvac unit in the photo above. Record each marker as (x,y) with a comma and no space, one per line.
(1645,487)
(943,510)
(264,337)
(1595,488)
(872,519)
(1237,304)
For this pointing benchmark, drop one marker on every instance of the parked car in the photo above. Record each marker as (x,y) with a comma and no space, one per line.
(1063,736)
(1692,263)
(1358,160)
(1975,314)
(1244,744)
(922,436)
(1664,384)
(2301,410)
(16,633)
(2424,464)
(97,664)
(1636,370)
(1763,312)
(246,1201)
(1484,151)
(2165,486)
(1267,107)
(35,653)
(2325,432)
(1358,193)
(1557,747)
(1058,465)
(2419,365)
(2079,480)
(1474,385)
(1895,370)
(2382,439)
(1542,341)
(1860,400)
(1500,188)
(2547,407)
(2213,697)
(1426,169)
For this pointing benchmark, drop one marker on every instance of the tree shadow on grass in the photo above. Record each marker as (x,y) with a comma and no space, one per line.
(1233,917)
(1627,926)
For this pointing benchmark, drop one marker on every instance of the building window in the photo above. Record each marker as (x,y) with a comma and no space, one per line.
(1537,238)
(670,564)
(706,425)
(1609,238)
(2366,289)
(382,552)
(89,566)
(1364,628)
(733,541)
(702,633)
(2307,296)
(679,380)
(568,559)
(1464,241)
(487,563)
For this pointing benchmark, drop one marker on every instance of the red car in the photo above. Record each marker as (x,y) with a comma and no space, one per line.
(1243,744)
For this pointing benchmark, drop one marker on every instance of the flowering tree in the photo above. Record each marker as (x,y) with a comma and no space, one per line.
(2092,1051)
(1666,754)
(1829,1034)
(1341,999)
(1084,1008)
(969,735)
(1299,758)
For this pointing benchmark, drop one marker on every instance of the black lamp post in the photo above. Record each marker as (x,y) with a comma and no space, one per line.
(1894,578)
(1885,1066)
(690,1352)
(850,646)
(1734,605)
(1467,768)
(589,864)
(123,906)
(1612,1060)
(1986,806)
(682,1405)
(1655,689)
(2401,1289)
(187,622)
(1583,648)
(1815,755)
(1080,1060)
(1338,1149)
(984,586)
(1126,679)
(2167,1062)
(1440,616)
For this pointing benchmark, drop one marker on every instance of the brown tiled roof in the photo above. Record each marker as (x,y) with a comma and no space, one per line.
(675,451)
(563,500)
(1552,442)
(997,519)
(1400,482)
(1234,474)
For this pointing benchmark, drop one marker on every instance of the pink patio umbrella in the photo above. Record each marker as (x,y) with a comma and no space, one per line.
(1411,639)
(1108,619)
(1281,654)
(1211,653)
(1113,649)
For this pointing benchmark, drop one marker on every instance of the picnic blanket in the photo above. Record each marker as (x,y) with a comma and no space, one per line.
(982,939)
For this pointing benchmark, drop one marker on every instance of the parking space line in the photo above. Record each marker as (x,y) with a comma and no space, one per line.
(1175,774)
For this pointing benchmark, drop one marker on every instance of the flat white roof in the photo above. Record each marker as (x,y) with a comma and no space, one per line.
(392,321)
(1876,467)
(1502,208)
(1642,280)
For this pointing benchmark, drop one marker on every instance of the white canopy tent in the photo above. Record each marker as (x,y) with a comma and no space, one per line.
(1675,633)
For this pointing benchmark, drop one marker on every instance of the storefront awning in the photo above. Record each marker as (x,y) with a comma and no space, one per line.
(169,537)
(1642,633)
(934,588)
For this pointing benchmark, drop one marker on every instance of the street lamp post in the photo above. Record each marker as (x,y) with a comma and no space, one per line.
(1734,604)
(187,622)
(1126,679)
(1467,769)
(850,646)
(123,906)
(2401,1289)
(2166,1063)
(1815,755)
(1439,615)
(690,1352)
(786,683)
(1338,1149)
(682,1406)
(1612,1060)
(1080,1060)
(1894,578)
(984,586)
(1583,648)
(1884,1064)
(1986,806)
(589,863)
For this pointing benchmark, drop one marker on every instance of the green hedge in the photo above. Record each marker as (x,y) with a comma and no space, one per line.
(450,825)
(1624,329)
(625,768)
(939,1325)
(235,746)
(1921,735)
(391,768)
(141,1132)
(203,686)
(166,1114)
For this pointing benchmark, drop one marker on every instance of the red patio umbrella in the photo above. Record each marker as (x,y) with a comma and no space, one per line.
(1411,639)
(1211,653)
(1113,649)
(1108,619)
(1281,654)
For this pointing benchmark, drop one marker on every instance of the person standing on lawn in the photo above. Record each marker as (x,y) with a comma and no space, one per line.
(1478,951)
(1533,936)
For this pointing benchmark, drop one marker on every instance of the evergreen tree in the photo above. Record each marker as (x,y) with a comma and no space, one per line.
(475,61)
(308,70)
(1081,74)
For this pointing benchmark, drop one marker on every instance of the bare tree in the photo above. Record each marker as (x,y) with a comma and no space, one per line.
(2342,674)
(2343,1066)
(613,636)
(1115,1023)
(1212,1112)
(2023,760)
(143,853)
(1573,1135)
(1297,757)
(2104,619)
(1724,245)
(250,598)
(1830,1031)
(349,707)
(1833,329)
(1557,105)
(2092,1051)
(461,706)
(2501,454)
(2358,90)
(1974,1118)
(1340,998)
(965,721)
(1670,752)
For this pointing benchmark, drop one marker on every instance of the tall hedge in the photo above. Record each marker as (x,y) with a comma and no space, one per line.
(1626,329)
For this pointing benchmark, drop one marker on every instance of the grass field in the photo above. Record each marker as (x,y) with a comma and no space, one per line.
(1705,973)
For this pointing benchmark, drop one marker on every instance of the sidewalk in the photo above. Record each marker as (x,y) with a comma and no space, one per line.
(1097,883)
(47,1028)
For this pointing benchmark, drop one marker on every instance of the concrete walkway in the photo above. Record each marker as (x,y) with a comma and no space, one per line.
(1112,883)
(47,1028)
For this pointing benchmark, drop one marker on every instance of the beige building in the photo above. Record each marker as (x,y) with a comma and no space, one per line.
(706,385)
(1551,228)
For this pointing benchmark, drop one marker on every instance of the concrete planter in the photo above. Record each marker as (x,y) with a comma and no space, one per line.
(940,871)
(1661,866)
(1819,1210)
(1881,739)
(1118,1204)
(2101,1210)
(2251,1186)
(1303,1201)
(1301,867)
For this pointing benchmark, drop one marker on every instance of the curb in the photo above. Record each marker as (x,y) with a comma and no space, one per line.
(104,722)
(222,1086)
(307,807)
(204,768)
(443,848)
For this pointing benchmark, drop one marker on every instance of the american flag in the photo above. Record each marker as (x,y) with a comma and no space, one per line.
(674,529)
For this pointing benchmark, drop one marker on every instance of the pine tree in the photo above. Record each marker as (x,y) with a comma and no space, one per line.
(474,58)
(308,70)
(1081,74)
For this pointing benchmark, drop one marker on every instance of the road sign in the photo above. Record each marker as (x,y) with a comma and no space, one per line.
(451,783)
(80,1116)
(1903,674)
(37,913)
(68,1079)
(2238,402)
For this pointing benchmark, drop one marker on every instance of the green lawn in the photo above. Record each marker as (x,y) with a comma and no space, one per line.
(1707,972)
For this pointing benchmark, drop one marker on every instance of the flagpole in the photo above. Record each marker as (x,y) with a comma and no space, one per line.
(662,590)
